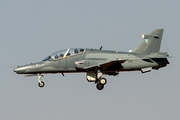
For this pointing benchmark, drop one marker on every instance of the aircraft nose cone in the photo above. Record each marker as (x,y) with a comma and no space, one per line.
(19,70)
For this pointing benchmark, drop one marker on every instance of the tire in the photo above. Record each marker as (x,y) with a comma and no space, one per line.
(41,84)
(103,81)
(99,86)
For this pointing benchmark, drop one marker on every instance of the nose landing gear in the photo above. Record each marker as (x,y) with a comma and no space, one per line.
(41,83)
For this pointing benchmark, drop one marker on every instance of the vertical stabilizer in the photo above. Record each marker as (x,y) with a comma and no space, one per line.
(151,42)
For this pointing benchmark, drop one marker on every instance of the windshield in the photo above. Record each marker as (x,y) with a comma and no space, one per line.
(64,53)
(47,58)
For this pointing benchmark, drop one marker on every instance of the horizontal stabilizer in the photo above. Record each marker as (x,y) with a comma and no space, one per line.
(156,55)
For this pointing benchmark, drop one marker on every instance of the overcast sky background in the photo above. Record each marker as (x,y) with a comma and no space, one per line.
(30,30)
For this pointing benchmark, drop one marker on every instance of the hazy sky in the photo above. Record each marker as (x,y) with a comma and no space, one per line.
(30,30)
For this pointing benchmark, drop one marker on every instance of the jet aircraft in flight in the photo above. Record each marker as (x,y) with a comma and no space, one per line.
(96,63)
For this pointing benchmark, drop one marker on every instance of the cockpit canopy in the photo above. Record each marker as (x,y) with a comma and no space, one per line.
(64,53)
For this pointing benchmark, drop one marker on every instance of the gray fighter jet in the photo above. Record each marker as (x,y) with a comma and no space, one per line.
(96,63)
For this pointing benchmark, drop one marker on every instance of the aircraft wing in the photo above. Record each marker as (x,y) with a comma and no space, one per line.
(107,65)
(112,65)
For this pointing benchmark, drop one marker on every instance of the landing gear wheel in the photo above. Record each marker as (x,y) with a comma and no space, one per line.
(41,84)
(99,86)
(103,81)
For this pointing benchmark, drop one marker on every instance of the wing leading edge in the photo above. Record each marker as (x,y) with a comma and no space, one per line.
(105,66)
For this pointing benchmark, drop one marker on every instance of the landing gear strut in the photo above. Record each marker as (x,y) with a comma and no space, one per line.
(41,83)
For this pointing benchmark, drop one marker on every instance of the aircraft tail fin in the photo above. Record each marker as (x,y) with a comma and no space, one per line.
(151,43)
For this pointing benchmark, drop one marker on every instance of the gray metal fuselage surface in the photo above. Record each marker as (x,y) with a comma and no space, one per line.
(96,63)
(133,61)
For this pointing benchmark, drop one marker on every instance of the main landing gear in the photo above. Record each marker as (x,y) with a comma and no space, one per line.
(41,83)
(100,83)
(96,76)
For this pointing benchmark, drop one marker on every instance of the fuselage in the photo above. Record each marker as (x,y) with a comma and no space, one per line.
(76,61)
